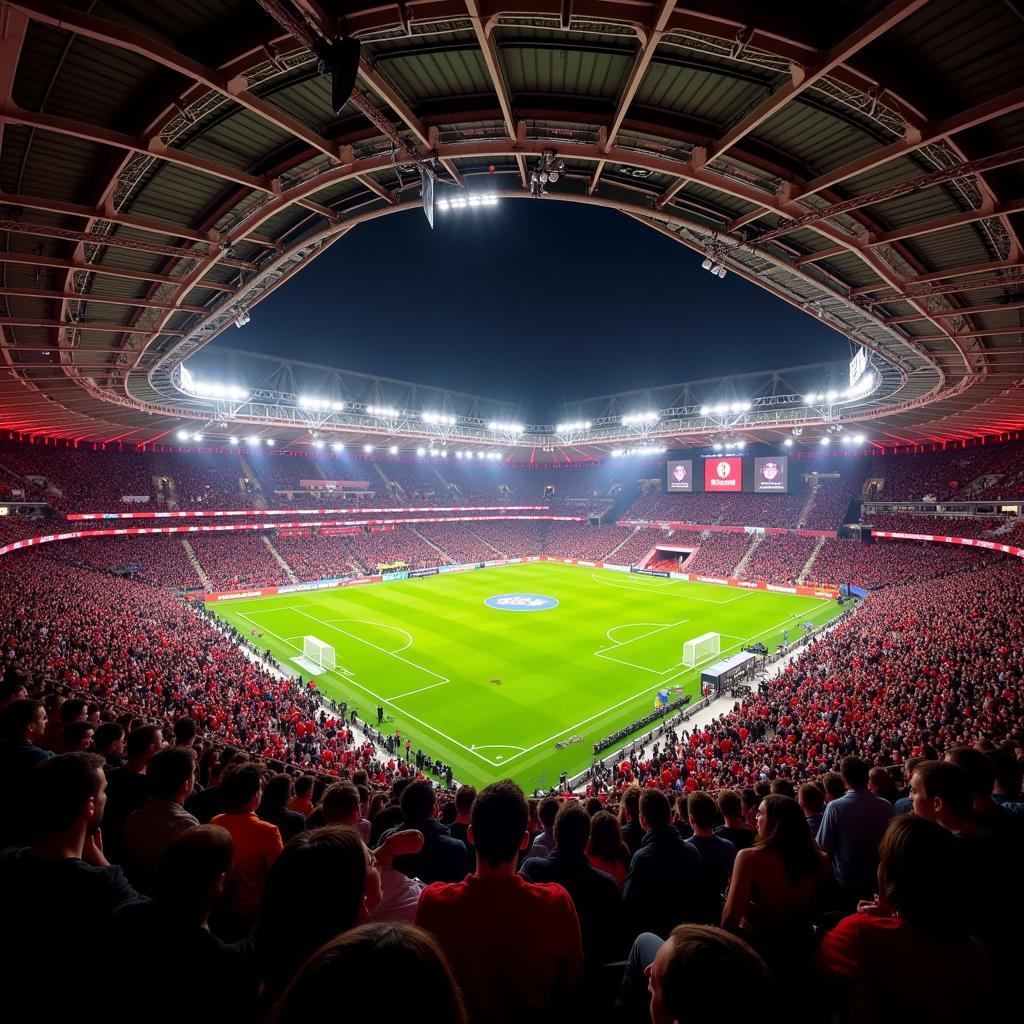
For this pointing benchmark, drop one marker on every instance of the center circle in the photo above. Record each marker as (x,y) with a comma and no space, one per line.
(521,602)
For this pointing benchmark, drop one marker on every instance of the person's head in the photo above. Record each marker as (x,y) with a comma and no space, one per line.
(782,827)
(67,794)
(277,791)
(548,811)
(854,771)
(11,689)
(606,838)
(171,774)
(1006,771)
(464,797)
(78,736)
(73,710)
(750,801)
(340,805)
(729,805)
(304,786)
(880,781)
(919,864)
(143,743)
(655,810)
(941,792)
(192,872)
(242,787)
(498,823)
(572,828)
(695,966)
(629,805)
(783,787)
(108,740)
(701,811)
(185,732)
(24,721)
(811,799)
(298,913)
(593,806)
(834,787)
(908,767)
(977,766)
(377,955)
(418,802)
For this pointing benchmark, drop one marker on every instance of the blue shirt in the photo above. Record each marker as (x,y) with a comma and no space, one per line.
(851,829)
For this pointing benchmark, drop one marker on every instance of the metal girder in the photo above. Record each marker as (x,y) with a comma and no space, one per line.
(989,307)
(28,321)
(802,79)
(33,260)
(941,275)
(19,227)
(654,34)
(944,289)
(42,293)
(493,64)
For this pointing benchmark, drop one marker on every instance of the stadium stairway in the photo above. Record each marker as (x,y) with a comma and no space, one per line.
(486,543)
(808,505)
(426,540)
(608,555)
(258,498)
(755,542)
(279,558)
(197,565)
(810,559)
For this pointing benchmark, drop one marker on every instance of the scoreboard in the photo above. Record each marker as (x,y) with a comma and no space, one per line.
(729,474)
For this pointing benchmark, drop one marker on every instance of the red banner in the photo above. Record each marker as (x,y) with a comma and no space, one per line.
(723,474)
(218,514)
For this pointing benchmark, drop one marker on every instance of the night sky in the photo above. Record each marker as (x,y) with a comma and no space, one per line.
(529,301)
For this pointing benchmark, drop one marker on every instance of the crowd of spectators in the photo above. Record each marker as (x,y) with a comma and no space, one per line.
(775,510)
(319,557)
(577,540)
(779,558)
(833,494)
(717,554)
(993,528)
(158,560)
(237,558)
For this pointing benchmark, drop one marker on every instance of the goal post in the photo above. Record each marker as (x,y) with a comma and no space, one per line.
(701,647)
(317,652)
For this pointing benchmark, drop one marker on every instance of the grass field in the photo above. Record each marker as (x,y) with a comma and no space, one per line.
(429,650)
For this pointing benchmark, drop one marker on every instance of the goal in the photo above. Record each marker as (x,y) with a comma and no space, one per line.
(700,647)
(317,653)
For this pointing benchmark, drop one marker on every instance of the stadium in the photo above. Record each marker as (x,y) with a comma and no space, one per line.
(521,500)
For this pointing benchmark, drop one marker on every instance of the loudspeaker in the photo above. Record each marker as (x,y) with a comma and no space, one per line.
(341,60)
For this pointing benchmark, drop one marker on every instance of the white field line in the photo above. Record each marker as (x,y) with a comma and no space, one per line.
(409,693)
(383,625)
(659,586)
(633,639)
(623,625)
(630,664)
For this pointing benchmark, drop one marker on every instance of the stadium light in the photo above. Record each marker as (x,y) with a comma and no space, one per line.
(385,411)
(831,395)
(741,444)
(640,417)
(458,455)
(421,452)
(367,448)
(505,427)
(197,436)
(717,447)
(182,435)
(232,440)
(393,449)
(253,439)
(271,442)
(859,438)
(825,441)
(472,201)
(565,428)
(438,417)
(788,443)
(337,447)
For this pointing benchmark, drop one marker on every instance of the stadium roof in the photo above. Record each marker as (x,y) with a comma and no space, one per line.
(164,166)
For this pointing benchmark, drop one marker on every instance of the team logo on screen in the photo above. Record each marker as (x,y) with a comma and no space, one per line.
(770,471)
(679,472)
(724,470)
(521,602)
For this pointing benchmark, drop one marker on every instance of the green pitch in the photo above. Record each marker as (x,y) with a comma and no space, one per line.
(491,691)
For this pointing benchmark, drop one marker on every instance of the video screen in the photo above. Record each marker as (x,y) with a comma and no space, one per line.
(680,475)
(723,474)
(771,475)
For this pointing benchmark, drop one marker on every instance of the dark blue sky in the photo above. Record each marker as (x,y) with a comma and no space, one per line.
(532,302)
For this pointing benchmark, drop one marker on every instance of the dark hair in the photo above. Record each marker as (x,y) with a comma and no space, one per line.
(654,806)
(192,865)
(948,782)
(276,792)
(788,835)
(71,709)
(629,804)
(59,788)
(184,730)
(240,785)
(378,956)
(417,801)
(918,861)
(107,734)
(464,797)
(854,771)
(499,819)
(297,916)
(606,839)
(17,717)
(748,797)
(729,805)
(141,739)
(834,786)
(168,770)
(783,787)
(340,802)
(705,963)
(813,797)
(74,733)
(702,809)
(9,687)
(572,827)
(978,767)
(548,811)
(304,785)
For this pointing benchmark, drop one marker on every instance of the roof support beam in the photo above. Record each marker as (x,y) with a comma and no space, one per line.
(32,260)
(28,321)
(942,275)
(990,307)
(493,64)
(108,300)
(640,66)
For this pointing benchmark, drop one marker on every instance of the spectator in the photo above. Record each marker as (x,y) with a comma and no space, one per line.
(514,947)
(778,885)
(607,850)
(302,803)
(273,807)
(257,845)
(377,955)
(22,723)
(108,742)
(716,855)
(72,710)
(148,940)
(185,731)
(735,827)
(56,891)
(665,875)
(459,828)
(441,859)
(126,786)
(149,831)
(995,820)
(594,893)
(851,829)
(907,955)
(77,738)
(811,798)
(629,819)
(880,784)
(940,791)
(14,687)
(691,974)
(903,804)
(544,842)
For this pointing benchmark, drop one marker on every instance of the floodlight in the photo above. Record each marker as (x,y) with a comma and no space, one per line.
(831,396)
(393,449)
(826,440)
(706,265)
(318,443)
(616,452)
(182,435)
(458,455)
(721,272)
(367,448)
(271,442)
(846,439)
(741,444)
(337,446)
(810,400)
(858,438)
(253,439)
(717,447)
(197,436)
(337,406)
(788,443)
(232,440)
(420,452)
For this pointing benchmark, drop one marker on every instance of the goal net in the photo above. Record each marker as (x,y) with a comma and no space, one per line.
(701,647)
(317,653)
